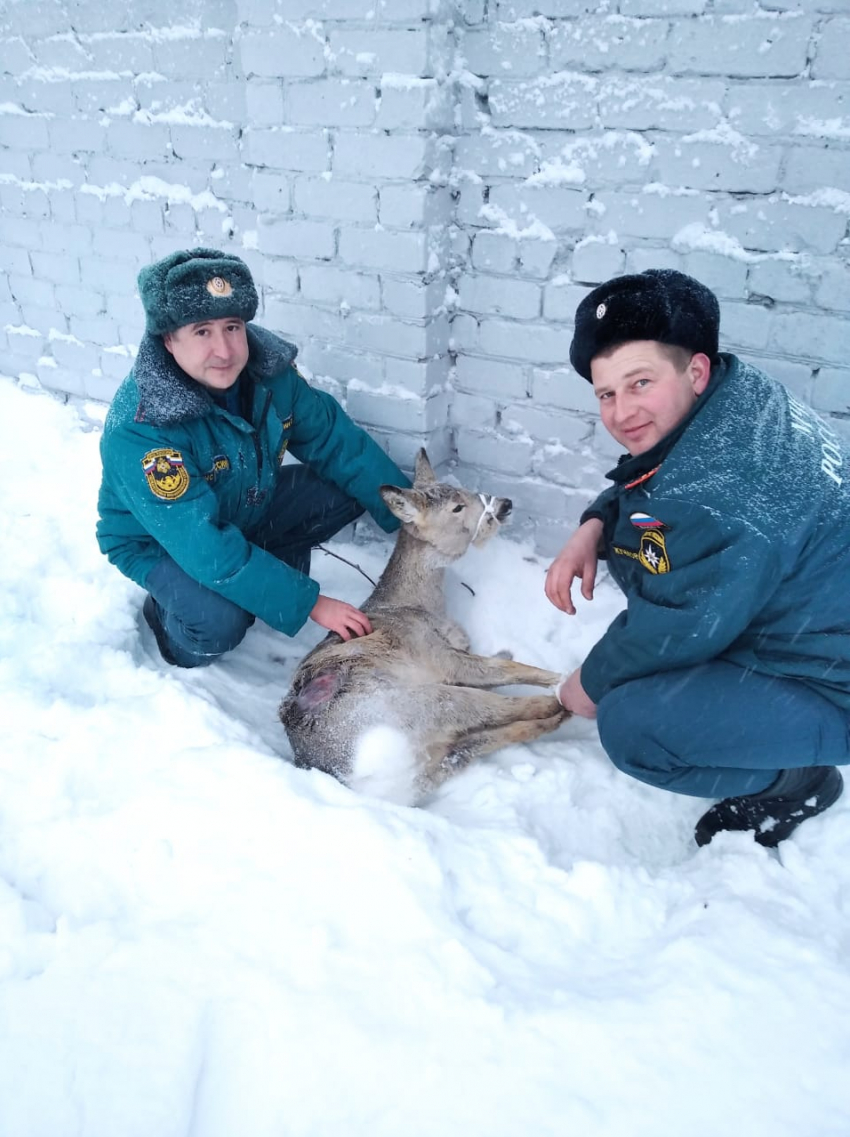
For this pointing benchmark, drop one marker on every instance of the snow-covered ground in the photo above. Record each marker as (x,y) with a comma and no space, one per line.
(198,939)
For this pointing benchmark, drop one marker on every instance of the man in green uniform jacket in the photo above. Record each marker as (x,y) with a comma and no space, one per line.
(728,528)
(196,504)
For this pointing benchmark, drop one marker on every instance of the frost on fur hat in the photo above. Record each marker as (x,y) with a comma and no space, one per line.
(193,285)
(659,304)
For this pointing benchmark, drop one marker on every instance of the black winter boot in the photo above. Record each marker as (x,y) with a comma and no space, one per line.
(150,611)
(776,812)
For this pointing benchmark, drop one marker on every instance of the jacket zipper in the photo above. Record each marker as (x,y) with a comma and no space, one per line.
(256,436)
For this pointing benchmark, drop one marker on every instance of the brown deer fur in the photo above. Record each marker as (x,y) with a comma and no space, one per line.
(414,675)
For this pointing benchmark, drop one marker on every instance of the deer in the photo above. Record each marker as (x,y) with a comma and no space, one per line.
(396,712)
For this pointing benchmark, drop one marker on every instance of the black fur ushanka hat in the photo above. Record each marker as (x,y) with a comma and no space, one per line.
(192,285)
(659,304)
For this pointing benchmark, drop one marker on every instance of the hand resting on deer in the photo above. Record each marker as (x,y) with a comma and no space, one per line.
(413,679)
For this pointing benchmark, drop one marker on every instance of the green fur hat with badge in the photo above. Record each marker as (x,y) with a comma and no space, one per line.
(193,285)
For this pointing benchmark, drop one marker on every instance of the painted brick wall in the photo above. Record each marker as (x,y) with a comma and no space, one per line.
(596,140)
(425,189)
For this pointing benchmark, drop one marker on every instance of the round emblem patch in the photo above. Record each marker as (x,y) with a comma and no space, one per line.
(601,310)
(166,475)
(218,286)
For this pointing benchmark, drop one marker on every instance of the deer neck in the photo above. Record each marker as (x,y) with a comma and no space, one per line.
(414,577)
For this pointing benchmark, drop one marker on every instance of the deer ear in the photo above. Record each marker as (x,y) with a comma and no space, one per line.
(423,474)
(403,504)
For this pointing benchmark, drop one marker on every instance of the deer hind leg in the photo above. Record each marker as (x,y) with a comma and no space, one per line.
(459,724)
(478,743)
(484,671)
(446,709)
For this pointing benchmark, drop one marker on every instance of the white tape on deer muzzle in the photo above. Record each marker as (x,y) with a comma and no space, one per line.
(487,501)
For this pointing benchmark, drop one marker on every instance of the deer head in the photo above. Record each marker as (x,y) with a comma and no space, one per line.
(448,518)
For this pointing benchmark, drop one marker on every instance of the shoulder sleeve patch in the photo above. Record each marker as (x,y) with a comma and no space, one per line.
(166,475)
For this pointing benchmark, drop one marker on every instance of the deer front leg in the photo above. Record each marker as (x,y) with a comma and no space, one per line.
(486,671)
(454,633)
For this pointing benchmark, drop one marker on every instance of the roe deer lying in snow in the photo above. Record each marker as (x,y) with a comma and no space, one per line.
(414,676)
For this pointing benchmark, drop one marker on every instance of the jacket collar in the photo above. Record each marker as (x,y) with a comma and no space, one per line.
(636,468)
(167,394)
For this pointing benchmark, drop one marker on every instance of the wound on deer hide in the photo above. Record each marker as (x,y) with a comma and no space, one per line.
(320,689)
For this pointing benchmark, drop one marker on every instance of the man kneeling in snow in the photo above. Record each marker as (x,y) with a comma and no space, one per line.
(196,505)
(728,674)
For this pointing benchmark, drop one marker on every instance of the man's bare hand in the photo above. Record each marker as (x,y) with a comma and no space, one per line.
(578,558)
(339,617)
(573,697)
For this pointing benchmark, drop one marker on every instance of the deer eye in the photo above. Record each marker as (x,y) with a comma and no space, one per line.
(457,509)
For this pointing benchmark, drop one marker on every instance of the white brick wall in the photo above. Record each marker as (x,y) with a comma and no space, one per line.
(655,135)
(426,191)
